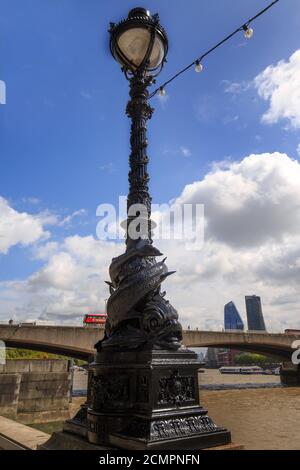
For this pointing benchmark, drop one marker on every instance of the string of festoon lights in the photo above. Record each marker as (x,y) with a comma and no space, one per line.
(198,63)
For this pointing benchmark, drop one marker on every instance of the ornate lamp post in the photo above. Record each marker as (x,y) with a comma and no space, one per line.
(143,390)
(138,314)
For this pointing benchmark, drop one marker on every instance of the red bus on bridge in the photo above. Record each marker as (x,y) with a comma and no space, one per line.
(94,319)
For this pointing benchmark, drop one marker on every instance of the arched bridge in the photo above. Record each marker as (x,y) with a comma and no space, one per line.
(78,342)
(278,345)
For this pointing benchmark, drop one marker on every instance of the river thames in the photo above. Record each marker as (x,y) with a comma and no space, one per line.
(262,418)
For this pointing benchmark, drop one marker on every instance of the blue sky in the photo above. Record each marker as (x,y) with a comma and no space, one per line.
(64,137)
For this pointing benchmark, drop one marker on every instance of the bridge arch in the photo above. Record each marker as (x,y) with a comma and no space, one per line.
(275,345)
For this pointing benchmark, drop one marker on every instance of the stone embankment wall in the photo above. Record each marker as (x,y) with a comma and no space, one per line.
(35,390)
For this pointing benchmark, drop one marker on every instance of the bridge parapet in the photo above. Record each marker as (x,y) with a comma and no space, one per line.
(79,342)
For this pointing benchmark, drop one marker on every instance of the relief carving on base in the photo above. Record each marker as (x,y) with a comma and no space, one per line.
(176,389)
(109,390)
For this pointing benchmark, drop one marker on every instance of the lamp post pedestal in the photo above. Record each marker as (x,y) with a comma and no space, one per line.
(149,400)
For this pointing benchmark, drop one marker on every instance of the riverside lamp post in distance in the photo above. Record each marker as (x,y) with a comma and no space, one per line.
(143,384)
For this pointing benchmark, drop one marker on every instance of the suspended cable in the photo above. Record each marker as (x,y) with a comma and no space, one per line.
(248,33)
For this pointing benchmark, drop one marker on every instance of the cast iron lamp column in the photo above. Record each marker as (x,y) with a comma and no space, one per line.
(139,111)
(138,314)
(140,44)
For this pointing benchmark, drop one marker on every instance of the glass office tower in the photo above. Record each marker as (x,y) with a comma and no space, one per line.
(232,318)
(254,313)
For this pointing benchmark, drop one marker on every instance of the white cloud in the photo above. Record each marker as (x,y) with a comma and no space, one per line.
(236,88)
(43,252)
(19,227)
(185,151)
(70,283)
(31,200)
(48,218)
(252,211)
(68,219)
(250,202)
(252,245)
(279,85)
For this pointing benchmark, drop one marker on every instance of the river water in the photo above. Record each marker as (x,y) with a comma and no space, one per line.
(262,418)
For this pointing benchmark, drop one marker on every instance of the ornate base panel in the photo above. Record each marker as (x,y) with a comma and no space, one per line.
(149,399)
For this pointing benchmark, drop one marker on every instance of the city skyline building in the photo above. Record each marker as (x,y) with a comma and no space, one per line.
(255,318)
(232,318)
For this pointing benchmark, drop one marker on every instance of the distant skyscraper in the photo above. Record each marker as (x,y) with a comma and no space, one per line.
(254,313)
(232,318)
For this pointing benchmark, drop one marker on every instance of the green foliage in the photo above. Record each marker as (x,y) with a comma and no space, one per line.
(249,358)
(16,353)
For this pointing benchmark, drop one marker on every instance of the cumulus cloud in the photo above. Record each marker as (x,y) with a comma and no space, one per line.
(69,284)
(252,246)
(19,228)
(252,239)
(250,202)
(279,85)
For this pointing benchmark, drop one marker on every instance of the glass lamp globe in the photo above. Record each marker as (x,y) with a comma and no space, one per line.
(198,66)
(248,32)
(139,40)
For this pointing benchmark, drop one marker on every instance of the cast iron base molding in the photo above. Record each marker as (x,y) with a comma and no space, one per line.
(149,400)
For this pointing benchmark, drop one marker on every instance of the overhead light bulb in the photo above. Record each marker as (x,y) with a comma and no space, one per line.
(162,91)
(248,32)
(198,66)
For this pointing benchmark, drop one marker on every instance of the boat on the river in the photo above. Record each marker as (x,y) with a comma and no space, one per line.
(246,370)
